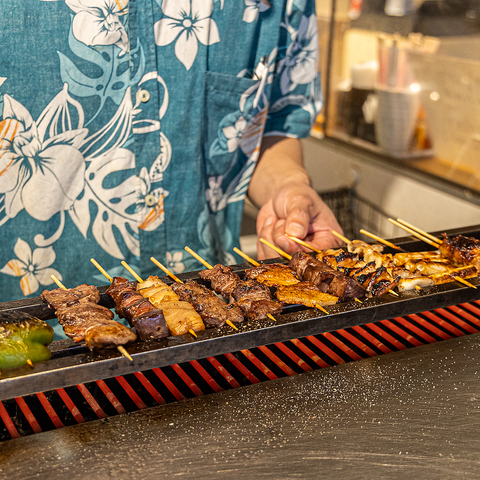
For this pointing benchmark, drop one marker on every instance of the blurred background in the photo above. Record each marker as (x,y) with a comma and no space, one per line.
(399,133)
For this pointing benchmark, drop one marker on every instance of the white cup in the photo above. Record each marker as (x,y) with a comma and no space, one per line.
(395,119)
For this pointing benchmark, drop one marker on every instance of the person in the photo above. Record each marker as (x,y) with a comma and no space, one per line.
(132,129)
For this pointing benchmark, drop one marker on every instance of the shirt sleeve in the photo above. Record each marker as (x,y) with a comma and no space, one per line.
(296,93)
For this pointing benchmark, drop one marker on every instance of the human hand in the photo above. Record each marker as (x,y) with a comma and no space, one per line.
(297,210)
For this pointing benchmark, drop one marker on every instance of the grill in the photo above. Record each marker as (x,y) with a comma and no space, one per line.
(77,386)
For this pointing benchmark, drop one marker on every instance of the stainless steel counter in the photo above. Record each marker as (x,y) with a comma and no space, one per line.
(409,414)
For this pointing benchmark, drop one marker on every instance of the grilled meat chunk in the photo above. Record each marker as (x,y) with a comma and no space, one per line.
(272,275)
(60,297)
(304,293)
(222,279)
(252,297)
(461,250)
(325,278)
(213,310)
(258,309)
(251,289)
(108,335)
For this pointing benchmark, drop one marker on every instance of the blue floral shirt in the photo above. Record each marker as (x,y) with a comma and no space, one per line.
(131,128)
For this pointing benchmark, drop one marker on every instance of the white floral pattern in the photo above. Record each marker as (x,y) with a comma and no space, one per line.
(214,192)
(186,23)
(301,61)
(233,133)
(175,261)
(252,9)
(33,268)
(97,22)
(32,162)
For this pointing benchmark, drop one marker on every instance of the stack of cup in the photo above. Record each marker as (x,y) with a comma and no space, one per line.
(395,119)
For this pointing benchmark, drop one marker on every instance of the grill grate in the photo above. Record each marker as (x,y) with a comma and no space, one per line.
(113,396)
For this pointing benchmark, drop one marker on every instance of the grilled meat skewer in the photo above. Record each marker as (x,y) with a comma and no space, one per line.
(180,316)
(272,275)
(325,278)
(213,310)
(140,313)
(252,297)
(304,293)
(82,319)
(461,250)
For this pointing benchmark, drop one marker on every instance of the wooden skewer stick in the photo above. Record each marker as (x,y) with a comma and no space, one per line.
(380,239)
(255,264)
(426,234)
(341,237)
(140,280)
(289,257)
(198,257)
(206,264)
(246,257)
(165,269)
(102,270)
(278,250)
(414,233)
(461,280)
(120,348)
(135,275)
(305,244)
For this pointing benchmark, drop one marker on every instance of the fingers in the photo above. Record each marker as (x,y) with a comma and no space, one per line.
(265,228)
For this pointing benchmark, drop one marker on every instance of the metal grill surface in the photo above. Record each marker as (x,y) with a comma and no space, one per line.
(99,399)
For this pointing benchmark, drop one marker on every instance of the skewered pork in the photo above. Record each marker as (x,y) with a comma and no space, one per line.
(252,297)
(326,278)
(82,319)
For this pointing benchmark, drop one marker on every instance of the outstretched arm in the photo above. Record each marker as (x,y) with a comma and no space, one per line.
(281,188)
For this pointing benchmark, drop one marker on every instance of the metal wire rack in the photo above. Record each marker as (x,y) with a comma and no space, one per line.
(354,212)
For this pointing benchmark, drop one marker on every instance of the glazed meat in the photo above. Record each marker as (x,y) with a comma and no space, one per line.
(213,310)
(304,293)
(272,275)
(461,250)
(258,309)
(108,335)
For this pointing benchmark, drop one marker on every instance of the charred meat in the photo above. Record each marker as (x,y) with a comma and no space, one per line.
(461,250)
(252,297)
(325,278)
(272,275)
(213,310)
(82,319)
